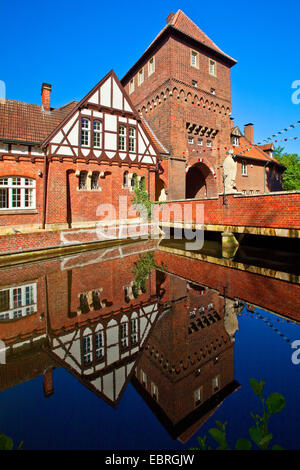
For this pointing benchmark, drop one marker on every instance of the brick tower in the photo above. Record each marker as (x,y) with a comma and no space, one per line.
(181,86)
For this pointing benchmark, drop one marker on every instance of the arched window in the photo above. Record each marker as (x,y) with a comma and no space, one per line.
(125,179)
(134,180)
(82,184)
(85,132)
(94,180)
(17,192)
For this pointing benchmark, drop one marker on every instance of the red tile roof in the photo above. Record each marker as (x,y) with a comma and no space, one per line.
(254,152)
(26,122)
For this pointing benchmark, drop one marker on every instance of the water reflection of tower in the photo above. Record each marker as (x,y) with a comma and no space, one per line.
(187,369)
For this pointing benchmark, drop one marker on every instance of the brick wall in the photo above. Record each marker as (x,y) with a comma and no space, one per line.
(277,210)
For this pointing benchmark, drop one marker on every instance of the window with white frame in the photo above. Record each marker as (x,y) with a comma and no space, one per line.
(144,378)
(190,140)
(194,59)
(200,142)
(131,139)
(212,67)
(208,143)
(124,334)
(17,192)
(131,86)
(244,169)
(97,134)
(122,137)
(154,391)
(85,132)
(151,66)
(87,349)
(134,331)
(99,345)
(18,301)
(141,76)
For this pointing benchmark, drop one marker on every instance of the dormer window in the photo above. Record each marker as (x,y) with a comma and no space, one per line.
(151,66)
(212,67)
(235,140)
(141,77)
(194,59)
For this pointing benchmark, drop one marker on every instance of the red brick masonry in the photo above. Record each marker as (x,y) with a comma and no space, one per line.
(273,210)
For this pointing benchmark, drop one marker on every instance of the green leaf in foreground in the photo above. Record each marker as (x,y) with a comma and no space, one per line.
(275,403)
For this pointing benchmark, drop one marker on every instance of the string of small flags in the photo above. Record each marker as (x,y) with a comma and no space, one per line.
(263,142)
(291,126)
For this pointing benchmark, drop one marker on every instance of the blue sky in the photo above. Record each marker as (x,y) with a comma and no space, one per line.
(73,44)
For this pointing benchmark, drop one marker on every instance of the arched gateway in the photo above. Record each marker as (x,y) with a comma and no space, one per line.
(200,182)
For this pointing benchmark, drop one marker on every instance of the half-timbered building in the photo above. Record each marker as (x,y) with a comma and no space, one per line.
(58,165)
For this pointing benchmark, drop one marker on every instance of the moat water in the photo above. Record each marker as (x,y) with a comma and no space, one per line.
(146,345)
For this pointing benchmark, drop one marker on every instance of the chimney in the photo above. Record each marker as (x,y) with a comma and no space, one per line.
(170,17)
(46,93)
(248,132)
(48,383)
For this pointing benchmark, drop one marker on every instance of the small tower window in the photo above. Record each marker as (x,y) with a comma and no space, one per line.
(194,83)
(208,143)
(122,137)
(141,76)
(200,142)
(244,169)
(194,59)
(212,67)
(131,86)
(190,140)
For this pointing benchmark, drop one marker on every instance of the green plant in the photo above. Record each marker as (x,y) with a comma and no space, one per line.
(6,443)
(259,433)
(142,267)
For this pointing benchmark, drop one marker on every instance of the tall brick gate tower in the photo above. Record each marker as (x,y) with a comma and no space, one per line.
(181,86)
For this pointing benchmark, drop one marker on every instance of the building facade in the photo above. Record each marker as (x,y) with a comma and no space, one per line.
(181,85)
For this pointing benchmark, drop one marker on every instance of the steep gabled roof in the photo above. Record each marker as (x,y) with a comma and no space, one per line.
(26,122)
(184,24)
